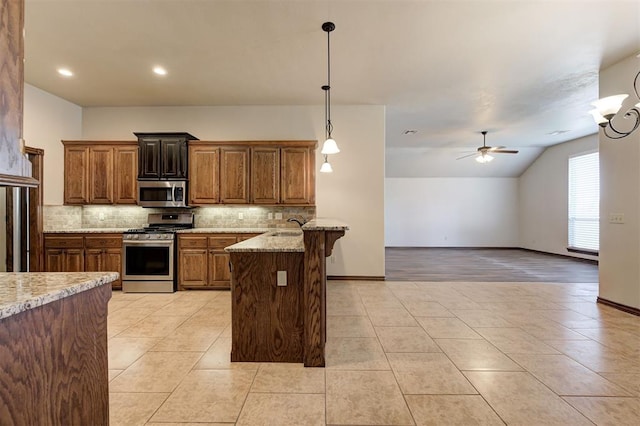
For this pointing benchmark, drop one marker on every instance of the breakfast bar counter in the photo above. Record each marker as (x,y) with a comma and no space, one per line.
(53,348)
(278,294)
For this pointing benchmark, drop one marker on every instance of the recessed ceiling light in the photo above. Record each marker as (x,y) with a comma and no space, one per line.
(65,72)
(409,132)
(159,71)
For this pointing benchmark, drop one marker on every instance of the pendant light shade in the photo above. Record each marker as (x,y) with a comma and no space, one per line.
(330,147)
(326,166)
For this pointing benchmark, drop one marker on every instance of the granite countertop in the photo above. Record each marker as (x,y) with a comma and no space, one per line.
(87,231)
(282,240)
(325,224)
(224,231)
(20,292)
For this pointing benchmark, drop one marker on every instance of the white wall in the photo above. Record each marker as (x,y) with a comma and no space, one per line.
(620,193)
(47,120)
(354,193)
(451,212)
(543,198)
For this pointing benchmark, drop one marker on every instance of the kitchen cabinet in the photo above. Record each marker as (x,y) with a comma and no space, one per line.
(297,183)
(204,175)
(103,253)
(100,175)
(64,253)
(265,175)
(252,172)
(163,155)
(202,261)
(100,172)
(84,253)
(234,175)
(125,175)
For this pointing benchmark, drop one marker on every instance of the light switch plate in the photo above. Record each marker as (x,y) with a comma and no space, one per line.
(282,278)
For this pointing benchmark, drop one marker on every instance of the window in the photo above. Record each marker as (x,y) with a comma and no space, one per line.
(584,203)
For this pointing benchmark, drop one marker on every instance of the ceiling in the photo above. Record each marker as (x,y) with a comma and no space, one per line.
(447,69)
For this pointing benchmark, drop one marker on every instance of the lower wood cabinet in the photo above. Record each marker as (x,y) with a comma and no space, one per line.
(84,253)
(202,261)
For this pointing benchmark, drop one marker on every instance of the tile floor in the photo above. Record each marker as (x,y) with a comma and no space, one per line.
(398,353)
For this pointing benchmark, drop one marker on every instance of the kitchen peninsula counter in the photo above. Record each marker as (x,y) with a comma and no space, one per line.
(278,294)
(53,348)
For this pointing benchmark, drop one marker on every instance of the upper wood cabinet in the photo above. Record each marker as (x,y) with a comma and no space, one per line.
(163,155)
(265,175)
(204,175)
(125,175)
(297,179)
(234,175)
(254,172)
(100,172)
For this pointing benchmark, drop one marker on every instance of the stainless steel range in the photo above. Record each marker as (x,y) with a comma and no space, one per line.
(149,254)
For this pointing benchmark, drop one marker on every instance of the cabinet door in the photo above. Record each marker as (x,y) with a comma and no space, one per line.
(297,184)
(265,175)
(74,260)
(125,175)
(219,270)
(54,260)
(234,175)
(149,158)
(192,267)
(204,175)
(112,262)
(76,175)
(101,175)
(173,157)
(93,260)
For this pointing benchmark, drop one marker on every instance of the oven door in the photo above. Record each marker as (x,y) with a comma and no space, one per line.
(147,260)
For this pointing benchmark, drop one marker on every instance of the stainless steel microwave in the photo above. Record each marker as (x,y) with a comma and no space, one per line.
(163,193)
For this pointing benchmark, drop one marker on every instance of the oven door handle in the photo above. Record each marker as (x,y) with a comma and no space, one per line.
(147,243)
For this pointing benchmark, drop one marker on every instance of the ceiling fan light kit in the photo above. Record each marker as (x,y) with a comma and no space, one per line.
(607,109)
(482,153)
(329,146)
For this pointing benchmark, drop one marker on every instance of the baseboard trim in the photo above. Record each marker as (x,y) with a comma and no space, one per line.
(619,306)
(354,278)
(566,256)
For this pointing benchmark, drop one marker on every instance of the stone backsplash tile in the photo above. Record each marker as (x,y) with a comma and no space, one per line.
(70,217)
(61,217)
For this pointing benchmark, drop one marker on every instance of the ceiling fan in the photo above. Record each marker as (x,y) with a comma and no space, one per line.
(483,151)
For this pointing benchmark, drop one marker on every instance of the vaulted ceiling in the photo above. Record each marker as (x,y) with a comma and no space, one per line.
(447,69)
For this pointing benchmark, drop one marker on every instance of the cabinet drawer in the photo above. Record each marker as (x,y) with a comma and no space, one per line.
(192,242)
(103,241)
(221,242)
(63,241)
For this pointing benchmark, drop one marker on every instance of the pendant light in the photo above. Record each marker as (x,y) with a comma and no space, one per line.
(329,146)
(326,166)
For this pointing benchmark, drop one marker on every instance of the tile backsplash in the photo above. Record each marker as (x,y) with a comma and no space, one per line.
(74,217)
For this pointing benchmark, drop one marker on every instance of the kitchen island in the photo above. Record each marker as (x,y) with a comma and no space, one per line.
(278,294)
(53,348)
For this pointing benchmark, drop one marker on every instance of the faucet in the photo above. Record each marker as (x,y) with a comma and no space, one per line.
(298,221)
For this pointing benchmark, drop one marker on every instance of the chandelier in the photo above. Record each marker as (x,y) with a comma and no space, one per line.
(607,109)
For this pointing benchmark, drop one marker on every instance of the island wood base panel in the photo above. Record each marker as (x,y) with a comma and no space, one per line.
(267,319)
(53,362)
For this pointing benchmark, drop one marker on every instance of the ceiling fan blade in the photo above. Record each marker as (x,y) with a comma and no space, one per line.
(505,151)
(467,156)
(494,148)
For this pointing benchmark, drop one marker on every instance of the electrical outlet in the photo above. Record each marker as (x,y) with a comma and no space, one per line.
(269,216)
(101,216)
(240,216)
(616,218)
(282,279)
(279,216)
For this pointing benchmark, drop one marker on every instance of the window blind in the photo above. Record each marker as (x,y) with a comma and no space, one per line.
(584,202)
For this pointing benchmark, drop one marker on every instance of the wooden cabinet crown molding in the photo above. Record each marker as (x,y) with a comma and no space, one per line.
(100,142)
(266,143)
